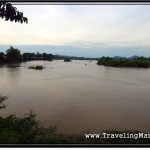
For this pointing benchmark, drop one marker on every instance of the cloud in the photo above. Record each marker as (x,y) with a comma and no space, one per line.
(80,25)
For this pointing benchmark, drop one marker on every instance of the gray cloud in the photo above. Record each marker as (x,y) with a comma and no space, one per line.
(99,27)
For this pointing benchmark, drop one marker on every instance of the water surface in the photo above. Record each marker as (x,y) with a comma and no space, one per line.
(79,96)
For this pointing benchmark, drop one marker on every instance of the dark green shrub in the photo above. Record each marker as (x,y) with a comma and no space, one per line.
(37,67)
(67,60)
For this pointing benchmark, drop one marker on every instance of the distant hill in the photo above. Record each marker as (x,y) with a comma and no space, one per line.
(119,57)
(73,57)
(134,57)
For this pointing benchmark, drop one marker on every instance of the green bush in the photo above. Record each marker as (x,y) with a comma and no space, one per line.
(67,60)
(28,130)
(37,67)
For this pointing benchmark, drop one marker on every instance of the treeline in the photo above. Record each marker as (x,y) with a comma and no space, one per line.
(37,56)
(74,57)
(140,62)
(14,55)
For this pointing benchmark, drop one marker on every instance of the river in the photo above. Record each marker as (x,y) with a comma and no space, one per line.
(78,96)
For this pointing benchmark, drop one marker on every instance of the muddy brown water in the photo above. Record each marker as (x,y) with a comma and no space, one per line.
(79,96)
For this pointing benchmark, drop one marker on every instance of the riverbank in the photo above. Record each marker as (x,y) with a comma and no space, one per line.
(140,62)
(27,130)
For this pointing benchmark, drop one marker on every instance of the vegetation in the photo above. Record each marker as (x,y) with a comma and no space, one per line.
(36,67)
(2,99)
(28,130)
(48,57)
(8,12)
(67,60)
(140,62)
(27,56)
(2,58)
(37,56)
(13,55)
(62,57)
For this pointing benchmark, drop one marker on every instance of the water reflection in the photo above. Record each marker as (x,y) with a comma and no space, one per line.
(13,73)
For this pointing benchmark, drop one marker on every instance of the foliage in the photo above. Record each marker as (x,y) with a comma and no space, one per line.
(13,55)
(37,56)
(27,56)
(28,130)
(48,56)
(140,62)
(2,58)
(1,54)
(2,99)
(37,67)
(8,12)
(67,60)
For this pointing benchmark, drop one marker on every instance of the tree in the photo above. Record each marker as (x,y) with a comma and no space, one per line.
(13,55)
(8,12)
(47,56)
(27,56)
(2,57)
(2,99)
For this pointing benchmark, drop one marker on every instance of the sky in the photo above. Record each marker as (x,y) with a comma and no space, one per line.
(80,30)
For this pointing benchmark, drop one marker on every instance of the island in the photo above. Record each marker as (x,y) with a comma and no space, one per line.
(138,62)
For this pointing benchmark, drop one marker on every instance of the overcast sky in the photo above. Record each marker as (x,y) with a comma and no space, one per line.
(81,29)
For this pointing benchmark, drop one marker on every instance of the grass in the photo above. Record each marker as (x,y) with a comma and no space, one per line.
(36,67)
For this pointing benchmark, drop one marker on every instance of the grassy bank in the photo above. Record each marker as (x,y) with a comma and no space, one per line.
(28,130)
